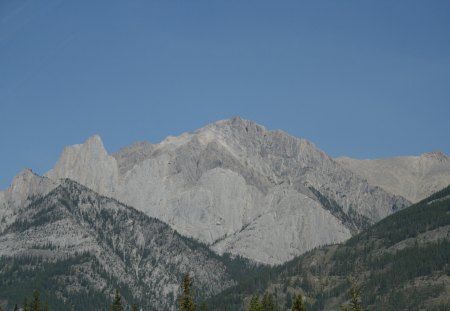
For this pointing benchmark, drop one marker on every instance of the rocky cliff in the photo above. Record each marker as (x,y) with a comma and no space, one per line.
(25,187)
(236,186)
(413,177)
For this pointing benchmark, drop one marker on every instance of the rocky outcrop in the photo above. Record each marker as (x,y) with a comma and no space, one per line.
(235,186)
(89,164)
(25,187)
(413,177)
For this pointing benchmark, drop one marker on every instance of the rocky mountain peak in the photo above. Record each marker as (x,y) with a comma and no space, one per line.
(89,164)
(25,187)
(92,147)
(27,184)
(237,125)
(412,177)
(436,155)
(22,180)
(227,183)
(95,143)
(24,174)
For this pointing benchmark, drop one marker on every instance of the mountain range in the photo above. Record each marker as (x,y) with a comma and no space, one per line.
(140,218)
(237,187)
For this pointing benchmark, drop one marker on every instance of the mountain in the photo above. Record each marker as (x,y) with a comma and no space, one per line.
(25,187)
(414,177)
(77,247)
(400,263)
(237,187)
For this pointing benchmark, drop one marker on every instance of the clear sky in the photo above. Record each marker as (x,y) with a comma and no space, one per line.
(365,79)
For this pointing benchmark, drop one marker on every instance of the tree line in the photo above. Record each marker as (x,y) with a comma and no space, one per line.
(186,301)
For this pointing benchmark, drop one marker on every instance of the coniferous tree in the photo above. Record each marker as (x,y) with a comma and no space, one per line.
(267,303)
(117,303)
(355,300)
(25,305)
(134,307)
(254,304)
(186,300)
(298,304)
(16,308)
(36,302)
(46,306)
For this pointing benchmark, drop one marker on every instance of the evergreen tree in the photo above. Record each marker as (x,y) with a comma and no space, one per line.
(16,308)
(203,307)
(25,305)
(267,303)
(288,300)
(134,307)
(254,304)
(36,302)
(298,304)
(117,303)
(46,306)
(186,300)
(355,300)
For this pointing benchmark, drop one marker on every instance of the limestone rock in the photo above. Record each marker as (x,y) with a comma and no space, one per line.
(89,164)
(413,177)
(25,187)
(235,186)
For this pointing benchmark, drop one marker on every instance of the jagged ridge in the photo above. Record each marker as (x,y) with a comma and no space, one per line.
(233,185)
(413,177)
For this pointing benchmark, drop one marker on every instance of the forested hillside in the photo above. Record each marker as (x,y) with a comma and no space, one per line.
(401,263)
(77,247)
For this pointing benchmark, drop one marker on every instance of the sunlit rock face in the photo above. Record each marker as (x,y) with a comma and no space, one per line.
(236,186)
(25,187)
(414,177)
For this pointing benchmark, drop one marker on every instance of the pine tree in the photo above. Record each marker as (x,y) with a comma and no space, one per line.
(36,302)
(117,303)
(254,304)
(355,300)
(203,307)
(186,300)
(267,303)
(25,305)
(298,304)
(46,306)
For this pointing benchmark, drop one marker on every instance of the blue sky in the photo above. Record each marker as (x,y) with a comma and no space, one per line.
(366,79)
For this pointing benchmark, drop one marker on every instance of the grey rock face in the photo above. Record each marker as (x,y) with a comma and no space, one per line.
(414,177)
(235,186)
(88,164)
(25,187)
